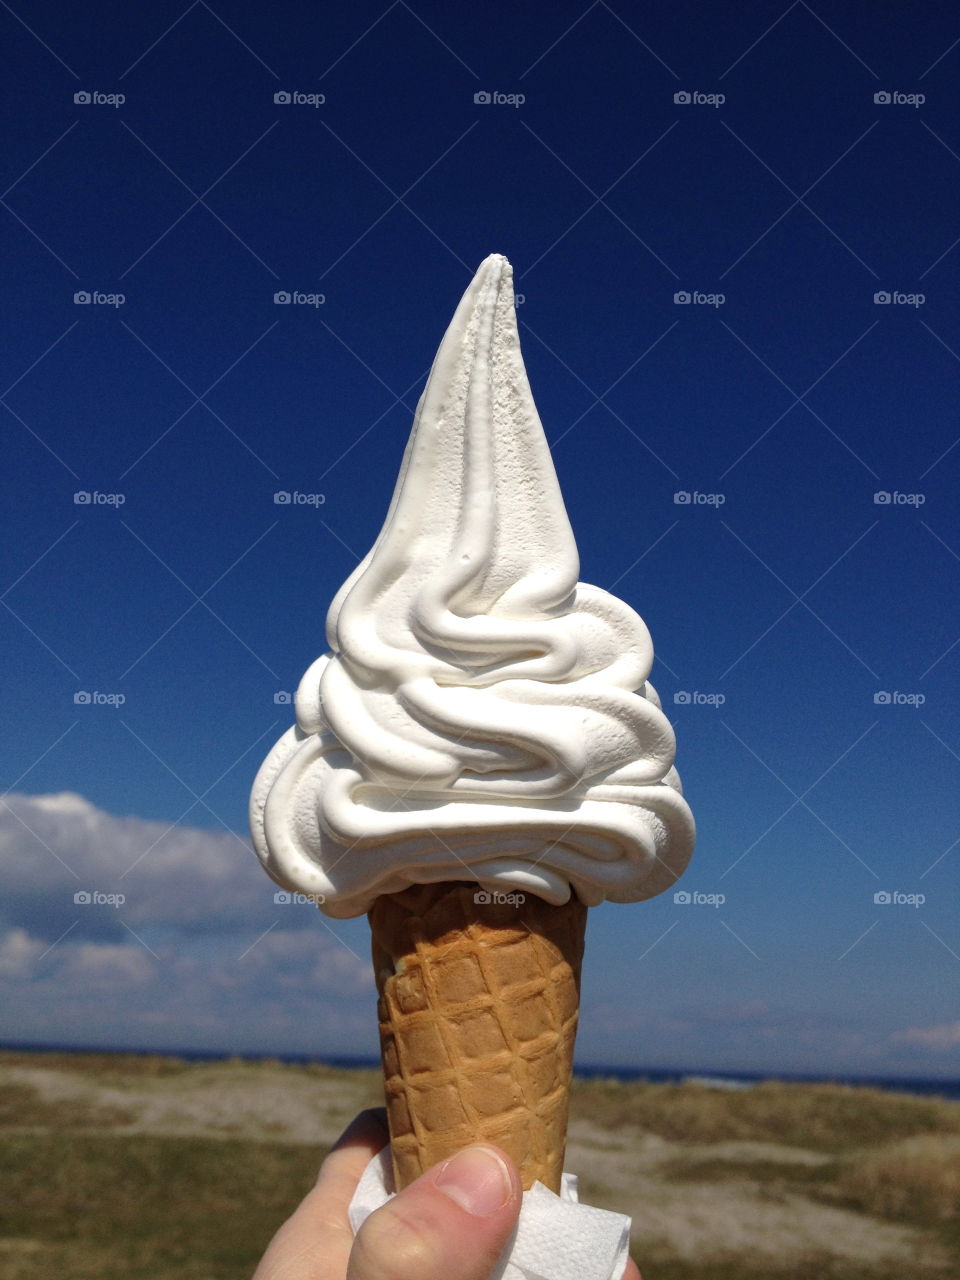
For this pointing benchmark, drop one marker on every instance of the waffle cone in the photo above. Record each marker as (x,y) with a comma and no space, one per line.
(478,1012)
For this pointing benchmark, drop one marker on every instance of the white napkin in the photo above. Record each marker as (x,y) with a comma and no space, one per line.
(557,1238)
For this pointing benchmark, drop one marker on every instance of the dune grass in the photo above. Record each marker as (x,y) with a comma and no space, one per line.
(22,1106)
(101,1066)
(821,1117)
(83,1197)
(144,1207)
(917,1179)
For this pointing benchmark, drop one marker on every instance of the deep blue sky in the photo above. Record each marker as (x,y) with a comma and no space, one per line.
(798,599)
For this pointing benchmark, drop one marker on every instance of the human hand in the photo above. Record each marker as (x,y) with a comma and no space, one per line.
(453,1223)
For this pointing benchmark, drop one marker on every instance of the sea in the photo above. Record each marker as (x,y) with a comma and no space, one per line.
(948,1089)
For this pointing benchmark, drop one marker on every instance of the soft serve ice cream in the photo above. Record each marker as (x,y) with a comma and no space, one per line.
(481,714)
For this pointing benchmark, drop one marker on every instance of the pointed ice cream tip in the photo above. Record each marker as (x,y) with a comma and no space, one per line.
(495,259)
(477,511)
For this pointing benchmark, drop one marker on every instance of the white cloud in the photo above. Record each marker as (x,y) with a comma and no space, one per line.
(292,991)
(18,953)
(107,965)
(937,1039)
(180,878)
(198,955)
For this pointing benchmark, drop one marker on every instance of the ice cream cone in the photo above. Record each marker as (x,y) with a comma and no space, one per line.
(479,1001)
(482,721)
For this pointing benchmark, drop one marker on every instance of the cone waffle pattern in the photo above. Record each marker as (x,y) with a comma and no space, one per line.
(478,1015)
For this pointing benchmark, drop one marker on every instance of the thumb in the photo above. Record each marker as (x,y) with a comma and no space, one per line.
(451,1224)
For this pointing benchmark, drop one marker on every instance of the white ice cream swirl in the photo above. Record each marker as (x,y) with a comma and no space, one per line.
(481,715)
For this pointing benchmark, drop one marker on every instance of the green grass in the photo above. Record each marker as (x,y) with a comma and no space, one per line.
(147,1208)
(81,1201)
(917,1179)
(22,1106)
(771,1173)
(103,1066)
(815,1266)
(820,1117)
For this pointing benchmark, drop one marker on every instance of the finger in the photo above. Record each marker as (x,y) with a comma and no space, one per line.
(452,1223)
(315,1242)
(353,1151)
(632,1272)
